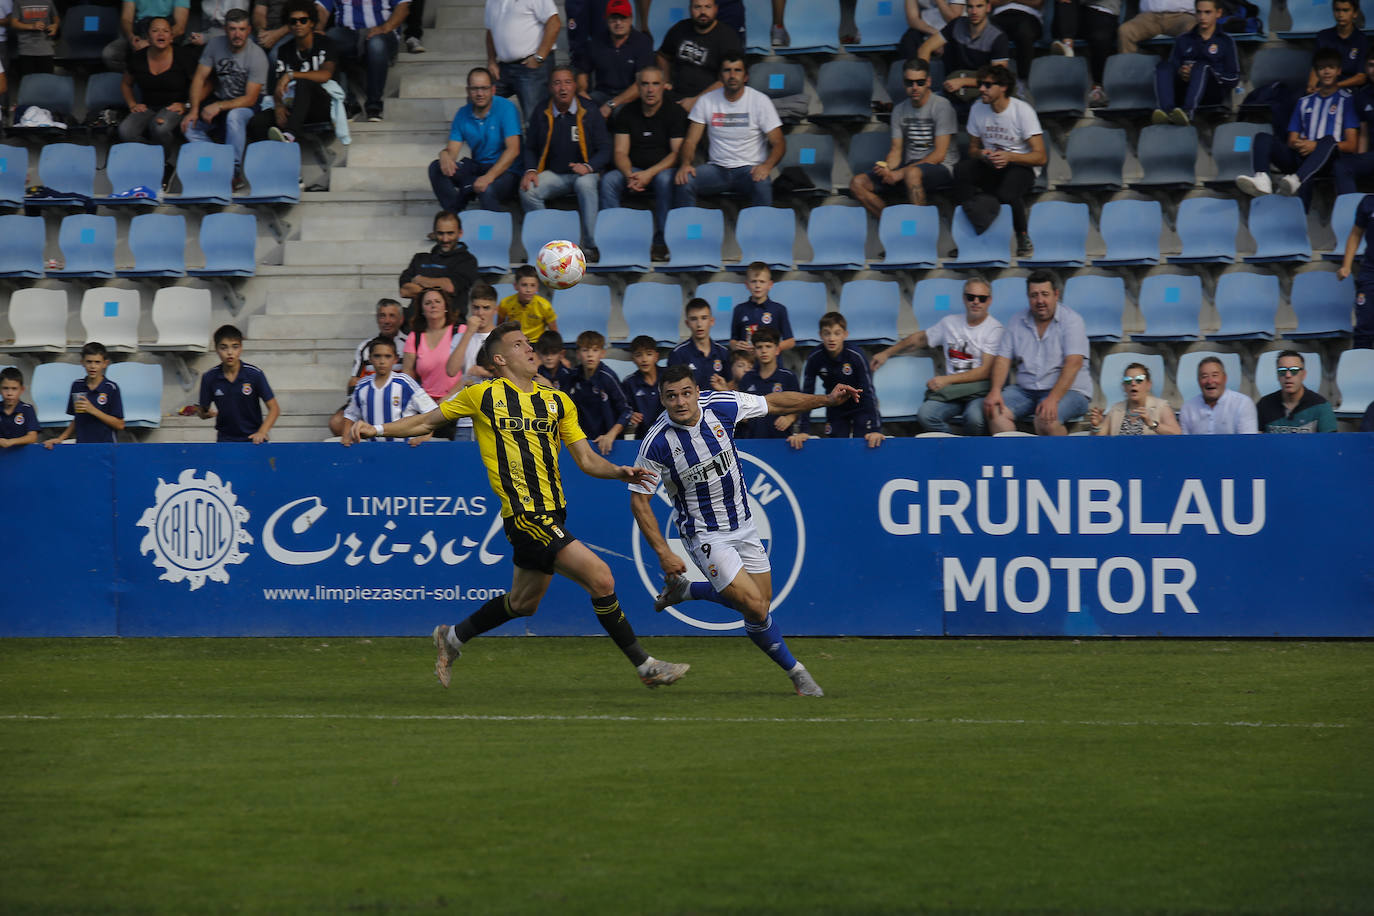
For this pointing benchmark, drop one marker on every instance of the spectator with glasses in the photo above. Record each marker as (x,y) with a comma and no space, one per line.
(1294,408)
(490,128)
(1140,414)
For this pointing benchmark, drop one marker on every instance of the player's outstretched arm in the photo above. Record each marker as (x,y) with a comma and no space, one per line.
(794,401)
(643,512)
(593,465)
(415,425)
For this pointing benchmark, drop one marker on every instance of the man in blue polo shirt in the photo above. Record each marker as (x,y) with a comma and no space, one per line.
(235,388)
(95,404)
(490,127)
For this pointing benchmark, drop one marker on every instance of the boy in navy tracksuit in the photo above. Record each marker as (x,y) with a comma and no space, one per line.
(601,406)
(95,404)
(1203,68)
(706,358)
(235,388)
(641,386)
(1364,280)
(834,362)
(549,348)
(766,378)
(18,420)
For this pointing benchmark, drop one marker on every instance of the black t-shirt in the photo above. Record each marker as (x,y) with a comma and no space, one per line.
(291,59)
(650,136)
(695,58)
(171,85)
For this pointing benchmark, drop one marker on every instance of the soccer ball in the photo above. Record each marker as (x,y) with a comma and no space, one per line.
(561,264)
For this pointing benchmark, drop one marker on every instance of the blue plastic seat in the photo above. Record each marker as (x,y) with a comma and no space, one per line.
(910,236)
(654,310)
(1096,158)
(837,235)
(935,298)
(880,24)
(1323,305)
(584,307)
(1100,300)
(229,242)
(723,296)
(1168,154)
(778,79)
(1279,226)
(1247,304)
(86,30)
(694,236)
(1129,81)
(1114,369)
(1267,376)
(14,171)
(1059,229)
(55,92)
(765,234)
(1355,379)
(1060,85)
(158,243)
(900,384)
(273,170)
(51,385)
(990,249)
(806,301)
(664,15)
(1342,221)
(133,165)
(814,155)
(870,308)
(110,314)
(88,247)
(866,148)
(103,92)
(1233,144)
(69,169)
(1172,305)
(845,90)
(487,233)
(543,226)
(140,390)
(814,26)
(21,257)
(1130,229)
(757,21)
(1186,379)
(623,237)
(1308,17)
(1207,227)
(1009,298)
(206,173)
(38,317)
(1288,65)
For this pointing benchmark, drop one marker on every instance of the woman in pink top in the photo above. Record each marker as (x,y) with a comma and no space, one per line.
(429,344)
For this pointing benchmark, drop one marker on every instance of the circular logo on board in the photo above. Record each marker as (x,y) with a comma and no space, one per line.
(194,528)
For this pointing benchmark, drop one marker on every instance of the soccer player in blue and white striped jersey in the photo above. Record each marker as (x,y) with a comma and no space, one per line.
(387,395)
(691,450)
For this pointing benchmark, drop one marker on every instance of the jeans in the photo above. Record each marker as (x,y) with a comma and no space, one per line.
(375,53)
(453,193)
(553,185)
(1202,87)
(1022,403)
(231,128)
(136,127)
(713,179)
(613,191)
(529,86)
(934,416)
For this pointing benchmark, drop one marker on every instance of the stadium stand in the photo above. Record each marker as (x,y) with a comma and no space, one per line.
(21,257)
(1171,304)
(1247,304)
(88,247)
(653,310)
(623,237)
(901,386)
(140,387)
(488,236)
(110,315)
(50,386)
(1355,379)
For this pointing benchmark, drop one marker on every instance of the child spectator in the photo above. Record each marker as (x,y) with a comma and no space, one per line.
(387,395)
(18,421)
(641,386)
(236,388)
(834,362)
(601,405)
(35,24)
(759,311)
(706,358)
(740,364)
(1202,69)
(765,379)
(551,363)
(525,305)
(389,318)
(95,404)
(463,361)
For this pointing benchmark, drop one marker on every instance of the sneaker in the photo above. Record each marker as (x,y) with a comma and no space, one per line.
(239,181)
(780,37)
(675,591)
(659,252)
(1289,184)
(1179,117)
(374,114)
(1256,185)
(592,253)
(444,663)
(953,254)
(279,135)
(413,46)
(1062,48)
(806,684)
(1097,98)
(1024,247)
(655,673)
(1159,117)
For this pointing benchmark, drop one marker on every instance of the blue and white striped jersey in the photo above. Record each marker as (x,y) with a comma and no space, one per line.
(1318,116)
(698,465)
(400,396)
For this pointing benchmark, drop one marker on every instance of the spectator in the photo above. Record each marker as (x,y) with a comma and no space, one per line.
(967,44)
(969,343)
(233,70)
(744,136)
(465,359)
(1140,414)
(1156,17)
(758,312)
(1047,345)
(641,386)
(741,363)
(1364,283)
(434,334)
(134,16)
(552,365)
(706,358)
(448,266)
(647,141)
(304,63)
(1349,168)
(414,31)
(365,34)
(212,18)
(1349,42)
(835,362)
(1322,127)
(35,24)
(1090,23)
(520,40)
(925,19)
(94,402)
(602,408)
(18,420)
(268,26)
(1216,409)
(566,149)
(923,151)
(694,50)
(156,86)
(490,128)
(731,13)
(612,60)
(387,395)
(1294,408)
(1203,66)
(1005,153)
(1022,22)
(525,305)
(235,388)
(389,320)
(766,378)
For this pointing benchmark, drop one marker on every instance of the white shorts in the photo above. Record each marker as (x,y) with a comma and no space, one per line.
(720,555)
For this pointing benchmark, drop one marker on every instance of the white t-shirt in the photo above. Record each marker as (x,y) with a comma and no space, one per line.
(517,26)
(930,12)
(964,344)
(6,7)
(470,360)
(736,131)
(1009,130)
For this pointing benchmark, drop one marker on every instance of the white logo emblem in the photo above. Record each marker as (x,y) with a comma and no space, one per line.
(194,529)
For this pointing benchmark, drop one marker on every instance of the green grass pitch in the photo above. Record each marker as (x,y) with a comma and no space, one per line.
(336,776)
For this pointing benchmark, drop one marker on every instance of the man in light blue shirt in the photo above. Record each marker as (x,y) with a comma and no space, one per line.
(490,126)
(1217,410)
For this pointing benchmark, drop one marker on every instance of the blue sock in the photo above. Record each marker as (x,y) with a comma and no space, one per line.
(702,591)
(768,637)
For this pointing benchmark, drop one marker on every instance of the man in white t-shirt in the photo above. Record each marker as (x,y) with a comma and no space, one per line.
(1005,153)
(744,135)
(969,342)
(520,43)
(462,359)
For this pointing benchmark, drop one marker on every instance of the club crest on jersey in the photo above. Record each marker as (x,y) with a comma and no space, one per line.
(717,365)
(767,318)
(18,418)
(102,398)
(777,387)
(396,400)
(846,369)
(247,388)
(1359,298)
(715,573)
(1211,49)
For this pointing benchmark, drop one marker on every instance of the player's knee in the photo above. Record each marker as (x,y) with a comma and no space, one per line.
(600,582)
(753,607)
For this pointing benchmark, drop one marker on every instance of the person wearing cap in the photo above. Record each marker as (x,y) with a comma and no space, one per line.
(610,59)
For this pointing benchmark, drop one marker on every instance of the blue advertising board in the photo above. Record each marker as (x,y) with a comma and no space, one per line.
(1203,536)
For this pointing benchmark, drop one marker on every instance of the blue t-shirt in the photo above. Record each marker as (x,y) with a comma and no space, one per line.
(848,367)
(750,316)
(643,398)
(716,362)
(600,401)
(239,402)
(753,383)
(23,421)
(106,398)
(486,137)
(1352,50)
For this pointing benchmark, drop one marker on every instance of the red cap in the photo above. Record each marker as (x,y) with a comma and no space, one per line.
(619,8)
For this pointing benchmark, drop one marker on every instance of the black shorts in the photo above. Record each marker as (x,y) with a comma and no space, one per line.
(537,537)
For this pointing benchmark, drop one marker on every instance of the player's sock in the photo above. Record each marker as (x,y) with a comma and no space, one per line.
(613,621)
(487,617)
(702,591)
(768,637)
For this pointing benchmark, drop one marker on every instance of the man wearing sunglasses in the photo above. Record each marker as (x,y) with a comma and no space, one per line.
(305,62)
(922,151)
(1294,408)
(1216,410)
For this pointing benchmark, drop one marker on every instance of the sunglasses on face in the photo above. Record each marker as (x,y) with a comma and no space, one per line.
(1132,379)
(1289,370)
(987,84)
(974,297)
(298,20)
(910,83)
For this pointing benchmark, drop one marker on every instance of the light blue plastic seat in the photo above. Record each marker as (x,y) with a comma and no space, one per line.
(1342,221)
(806,301)
(543,226)
(1168,154)
(229,242)
(723,296)
(1129,81)
(21,257)
(584,307)
(1355,379)
(1207,227)
(653,310)
(623,236)
(1096,158)
(1233,144)
(134,165)
(900,384)
(38,317)
(814,155)
(1308,17)
(488,233)
(990,249)
(845,90)
(1323,305)
(1101,301)
(935,298)
(88,247)
(1279,227)
(1059,229)
(870,309)
(1130,229)
(694,236)
(14,170)
(765,234)
(1009,298)
(67,168)
(50,386)
(1247,303)
(206,174)
(273,171)
(158,243)
(140,389)
(1060,85)
(837,235)
(1171,304)
(814,26)
(880,24)
(910,236)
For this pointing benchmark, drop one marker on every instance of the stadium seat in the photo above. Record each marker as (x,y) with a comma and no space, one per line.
(1247,304)
(273,171)
(68,169)
(814,156)
(778,79)
(1279,226)
(870,308)
(814,26)
(1342,221)
(1308,17)
(1262,35)
(487,233)
(1129,81)
(620,368)
(1267,376)
(1009,298)
(806,301)
(879,24)
(206,174)
(910,236)
(14,172)
(229,242)
(765,234)
(934,298)
(1130,229)
(140,388)
(158,242)
(694,236)
(21,257)
(1059,229)
(104,92)
(1323,305)
(1288,65)
(1096,158)
(88,246)
(655,310)
(56,93)
(1186,379)
(51,386)
(837,235)
(1168,155)
(845,90)
(1060,85)
(543,226)
(723,296)
(1114,369)
(1100,300)
(1207,227)
(39,319)
(86,30)
(1232,145)
(133,165)
(584,307)
(900,384)
(1171,304)
(866,148)
(623,236)
(990,249)
(1355,379)
(181,315)
(110,315)
(664,15)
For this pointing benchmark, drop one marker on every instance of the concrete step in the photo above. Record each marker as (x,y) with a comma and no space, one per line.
(413,178)
(288,375)
(452,16)
(318,403)
(407,113)
(449,83)
(377,251)
(332,302)
(454,36)
(308,327)
(324,227)
(393,152)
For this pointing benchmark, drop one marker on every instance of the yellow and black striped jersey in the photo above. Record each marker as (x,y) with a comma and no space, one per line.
(519,435)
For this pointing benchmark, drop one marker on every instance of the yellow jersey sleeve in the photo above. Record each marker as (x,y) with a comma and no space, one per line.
(465,403)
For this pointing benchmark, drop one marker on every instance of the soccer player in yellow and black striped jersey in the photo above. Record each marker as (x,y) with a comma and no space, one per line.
(520,424)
